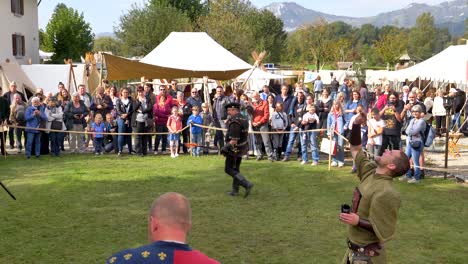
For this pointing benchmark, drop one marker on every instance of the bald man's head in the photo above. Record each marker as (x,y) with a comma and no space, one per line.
(173,210)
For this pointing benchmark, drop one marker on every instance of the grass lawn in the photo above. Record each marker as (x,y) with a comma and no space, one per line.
(81,209)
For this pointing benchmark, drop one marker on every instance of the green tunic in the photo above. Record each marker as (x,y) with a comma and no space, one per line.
(376,200)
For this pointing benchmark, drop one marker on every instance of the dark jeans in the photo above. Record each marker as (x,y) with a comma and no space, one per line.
(159,138)
(55,139)
(3,136)
(391,142)
(124,139)
(19,134)
(185,139)
(141,141)
(11,137)
(441,122)
(98,142)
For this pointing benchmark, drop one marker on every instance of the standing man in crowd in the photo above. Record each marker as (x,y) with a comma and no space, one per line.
(260,119)
(170,220)
(85,96)
(373,215)
(287,100)
(194,99)
(266,92)
(173,89)
(391,114)
(4,115)
(236,146)
(334,86)
(10,97)
(219,115)
(318,87)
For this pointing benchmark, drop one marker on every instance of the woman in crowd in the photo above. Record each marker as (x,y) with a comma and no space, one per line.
(414,143)
(101,103)
(323,108)
(54,115)
(350,109)
(75,113)
(271,103)
(124,115)
(438,110)
(185,110)
(113,95)
(335,124)
(142,115)
(161,111)
(429,104)
(63,98)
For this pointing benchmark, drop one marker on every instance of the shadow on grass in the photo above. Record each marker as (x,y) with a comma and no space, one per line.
(83,210)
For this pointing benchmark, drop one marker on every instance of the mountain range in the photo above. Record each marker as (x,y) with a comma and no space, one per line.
(449,15)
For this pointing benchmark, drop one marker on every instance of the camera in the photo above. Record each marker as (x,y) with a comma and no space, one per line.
(345,209)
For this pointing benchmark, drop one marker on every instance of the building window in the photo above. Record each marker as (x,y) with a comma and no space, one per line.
(19,49)
(17,7)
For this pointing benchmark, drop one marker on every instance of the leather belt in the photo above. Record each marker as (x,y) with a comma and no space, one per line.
(370,250)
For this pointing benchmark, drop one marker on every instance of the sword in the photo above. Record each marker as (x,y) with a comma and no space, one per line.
(8,191)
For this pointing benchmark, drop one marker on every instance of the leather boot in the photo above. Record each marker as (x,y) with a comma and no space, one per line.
(235,188)
(244,183)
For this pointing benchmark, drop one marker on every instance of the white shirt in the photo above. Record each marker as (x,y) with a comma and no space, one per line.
(374,124)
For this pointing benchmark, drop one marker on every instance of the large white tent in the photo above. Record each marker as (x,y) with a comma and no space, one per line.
(450,65)
(198,53)
(47,76)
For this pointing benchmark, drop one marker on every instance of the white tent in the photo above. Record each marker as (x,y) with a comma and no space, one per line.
(47,76)
(11,71)
(325,76)
(199,53)
(450,65)
(259,78)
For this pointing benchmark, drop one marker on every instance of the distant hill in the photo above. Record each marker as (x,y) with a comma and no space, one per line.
(451,15)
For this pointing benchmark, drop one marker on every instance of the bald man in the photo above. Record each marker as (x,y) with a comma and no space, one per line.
(170,220)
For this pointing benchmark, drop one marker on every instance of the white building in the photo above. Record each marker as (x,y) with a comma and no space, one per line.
(19,31)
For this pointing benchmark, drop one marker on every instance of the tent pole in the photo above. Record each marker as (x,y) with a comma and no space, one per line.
(69,79)
(427,86)
(102,66)
(73,74)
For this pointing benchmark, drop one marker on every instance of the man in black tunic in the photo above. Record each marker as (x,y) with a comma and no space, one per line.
(236,146)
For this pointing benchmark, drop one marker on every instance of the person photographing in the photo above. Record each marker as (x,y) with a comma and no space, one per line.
(373,214)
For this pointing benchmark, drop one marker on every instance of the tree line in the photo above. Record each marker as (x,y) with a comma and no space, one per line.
(241,28)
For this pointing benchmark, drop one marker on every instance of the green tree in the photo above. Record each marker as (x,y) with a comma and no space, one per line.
(194,9)
(143,28)
(423,37)
(267,32)
(226,24)
(108,44)
(67,34)
(391,46)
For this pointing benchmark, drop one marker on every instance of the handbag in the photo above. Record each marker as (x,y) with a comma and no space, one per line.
(56,125)
(415,144)
(325,146)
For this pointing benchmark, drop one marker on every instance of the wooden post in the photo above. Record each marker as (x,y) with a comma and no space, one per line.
(102,67)
(190,139)
(330,150)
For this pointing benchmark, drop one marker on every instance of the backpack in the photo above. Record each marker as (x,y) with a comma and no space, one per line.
(428,135)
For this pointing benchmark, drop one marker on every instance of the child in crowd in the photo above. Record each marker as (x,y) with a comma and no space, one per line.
(359,111)
(207,121)
(174,125)
(310,121)
(196,132)
(98,127)
(278,122)
(110,140)
(375,127)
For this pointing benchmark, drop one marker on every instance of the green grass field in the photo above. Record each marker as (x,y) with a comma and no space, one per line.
(81,209)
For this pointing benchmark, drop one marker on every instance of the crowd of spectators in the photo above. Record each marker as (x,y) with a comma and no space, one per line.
(283,121)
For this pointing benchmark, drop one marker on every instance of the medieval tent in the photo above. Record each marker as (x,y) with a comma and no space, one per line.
(11,71)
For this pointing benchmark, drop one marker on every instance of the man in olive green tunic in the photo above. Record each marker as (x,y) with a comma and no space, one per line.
(374,211)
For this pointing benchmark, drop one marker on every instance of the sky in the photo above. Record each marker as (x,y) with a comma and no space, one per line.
(103,15)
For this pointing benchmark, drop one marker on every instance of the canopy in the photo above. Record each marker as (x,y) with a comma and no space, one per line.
(450,65)
(197,53)
(11,71)
(119,68)
(47,76)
